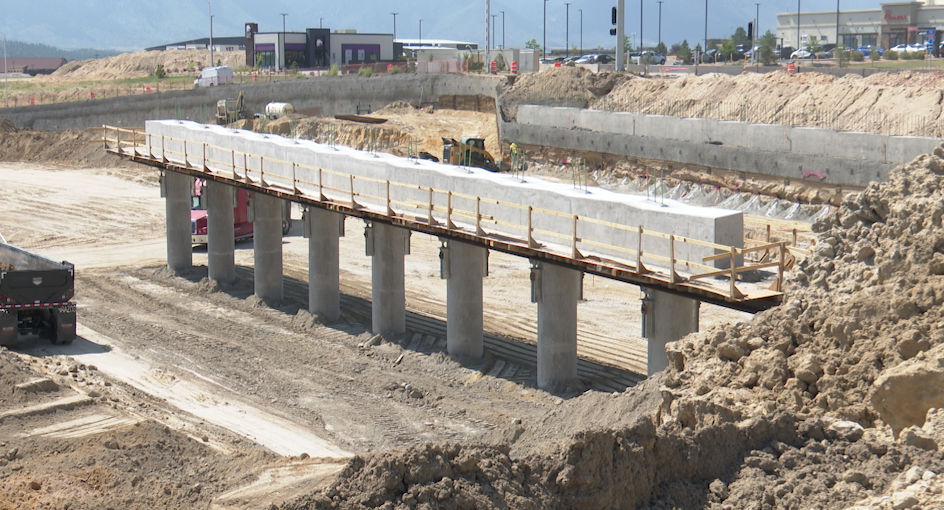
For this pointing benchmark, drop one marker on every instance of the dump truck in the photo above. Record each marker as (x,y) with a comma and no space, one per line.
(468,151)
(242,224)
(35,296)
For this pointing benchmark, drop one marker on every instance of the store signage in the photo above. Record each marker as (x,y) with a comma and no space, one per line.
(895,17)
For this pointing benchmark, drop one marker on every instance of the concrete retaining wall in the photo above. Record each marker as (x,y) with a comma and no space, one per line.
(707,224)
(766,137)
(789,165)
(332,95)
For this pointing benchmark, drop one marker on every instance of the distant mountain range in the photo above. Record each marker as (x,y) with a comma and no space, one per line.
(17,49)
(133,25)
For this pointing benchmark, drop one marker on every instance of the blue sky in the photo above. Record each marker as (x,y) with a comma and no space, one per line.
(134,24)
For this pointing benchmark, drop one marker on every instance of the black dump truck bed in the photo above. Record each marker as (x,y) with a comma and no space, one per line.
(35,296)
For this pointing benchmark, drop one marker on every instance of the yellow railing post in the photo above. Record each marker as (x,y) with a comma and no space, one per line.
(163,152)
(389,208)
(262,171)
(429,213)
(733,290)
(531,242)
(781,267)
(353,202)
(321,197)
(640,269)
(574,253)
(478,217)
(294,180)
(449,224)
(234,164)
(186,163)
(206,168)
(673,277)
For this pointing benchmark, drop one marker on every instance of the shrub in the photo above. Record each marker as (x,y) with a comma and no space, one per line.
(333,71)
(874,56)
(856,56)
(159,72)
(918,55)
(906,55)
(767,56)
(365,71)
(891,55)
(396,70)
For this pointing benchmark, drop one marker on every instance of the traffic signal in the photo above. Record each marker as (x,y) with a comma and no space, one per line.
(614,16)
(750,30)
(612,31)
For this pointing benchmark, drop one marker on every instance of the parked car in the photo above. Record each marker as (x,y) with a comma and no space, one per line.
(785,52)
(654,56)
(826,51)
(595,59)
(867,50)
(908,47)
(711,56)
(551,60)
(801,54)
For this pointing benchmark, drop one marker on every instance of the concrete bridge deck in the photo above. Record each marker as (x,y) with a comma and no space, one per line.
(453,215)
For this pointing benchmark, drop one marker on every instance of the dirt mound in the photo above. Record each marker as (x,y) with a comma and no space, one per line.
(396,108)
(561,86)
(6,126)
(143,63)
(890,103)
(76,149)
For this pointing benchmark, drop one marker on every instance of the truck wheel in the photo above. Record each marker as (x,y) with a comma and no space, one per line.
(56,334)
(286,226)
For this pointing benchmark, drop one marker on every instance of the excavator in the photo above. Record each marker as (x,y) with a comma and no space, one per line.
(231,110)
(468,151)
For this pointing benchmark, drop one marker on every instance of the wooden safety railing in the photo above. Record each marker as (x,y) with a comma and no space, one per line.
(241,167)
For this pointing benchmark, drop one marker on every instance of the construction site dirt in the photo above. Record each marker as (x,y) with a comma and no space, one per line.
(180,393)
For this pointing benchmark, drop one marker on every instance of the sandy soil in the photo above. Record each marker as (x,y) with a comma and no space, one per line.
(213,373)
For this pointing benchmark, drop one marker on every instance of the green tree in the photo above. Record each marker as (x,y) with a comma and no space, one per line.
(662,49)
(767,56)
(769,38)
(532,45)
(684,53)
(740,36)
(159,72)
(727,48)
(627,45)
(814,46)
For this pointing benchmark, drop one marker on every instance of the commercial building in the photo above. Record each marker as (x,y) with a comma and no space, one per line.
(316,47)
(887,26)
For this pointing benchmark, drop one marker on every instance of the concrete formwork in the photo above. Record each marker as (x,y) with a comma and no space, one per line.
(608,208)
(177,190)
(221,241)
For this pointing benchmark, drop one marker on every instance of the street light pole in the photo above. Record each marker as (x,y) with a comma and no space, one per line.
(421,34)
(581,31)
(544,48)
(706,28)
(210,12)
(837,22)
(6,102)
(660,22)
(493,32)
(282,45)
(503,29)
(567,30)
(321,22)
(394,25)
(798,24)
(640,26)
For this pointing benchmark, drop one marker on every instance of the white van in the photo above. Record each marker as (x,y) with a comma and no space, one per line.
(211,76)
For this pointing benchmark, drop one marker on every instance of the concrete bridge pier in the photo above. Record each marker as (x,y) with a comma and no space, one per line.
(267,246)
(463,266)
(387,245)
(323,228)
(556,290)
(666,318)
(177,189)
(221,241)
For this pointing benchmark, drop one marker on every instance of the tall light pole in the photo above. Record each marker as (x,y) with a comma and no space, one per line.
(640,27)
(493,31)
(756,34)
(837,22)
(567,30)
(503,30)
(321,23)
(421,34)
(545,30)
(798,24)
(581,31)
(706,28)
(6,102)
(660,22)
(394,25)
(282,46)
(210,12)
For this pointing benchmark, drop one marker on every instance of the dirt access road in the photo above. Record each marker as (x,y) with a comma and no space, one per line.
(246,380)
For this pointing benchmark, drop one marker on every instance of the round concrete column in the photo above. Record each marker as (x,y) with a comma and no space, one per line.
(557,292)
(324,295)
(464,265)
(177,188)
(267,246)
(666,318)
(221,243)
(388,291)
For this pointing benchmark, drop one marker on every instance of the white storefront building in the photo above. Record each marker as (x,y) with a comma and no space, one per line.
(887,26)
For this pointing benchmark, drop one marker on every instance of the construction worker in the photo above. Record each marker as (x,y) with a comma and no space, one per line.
(514,149)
